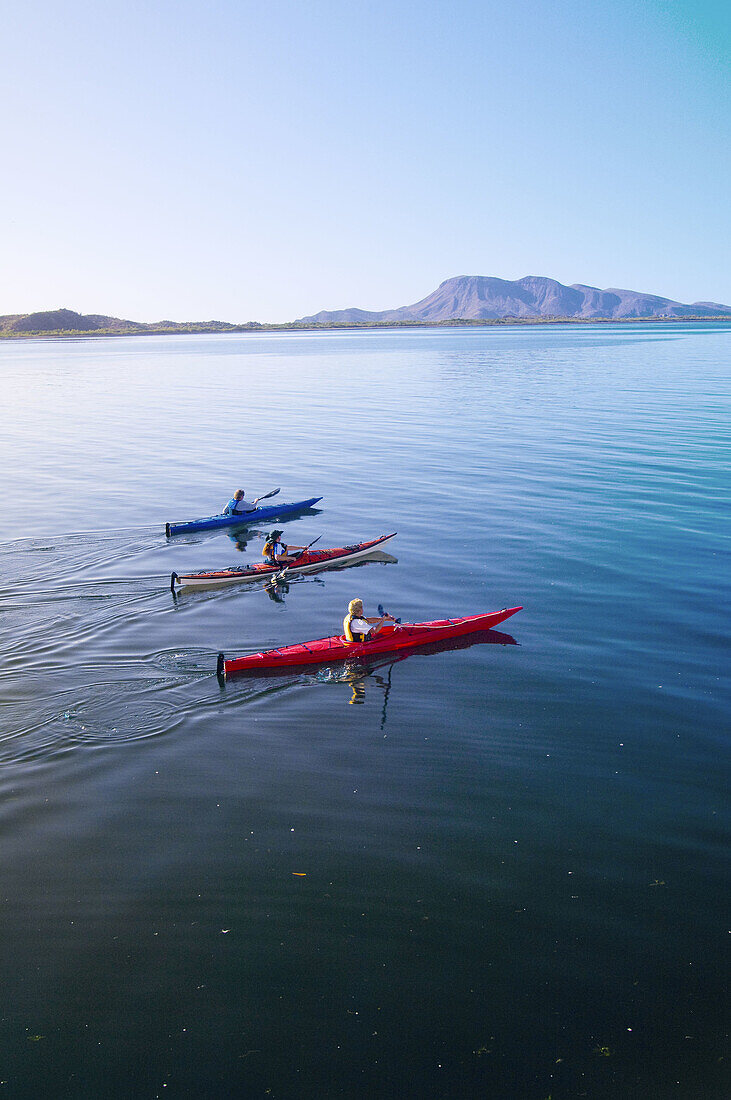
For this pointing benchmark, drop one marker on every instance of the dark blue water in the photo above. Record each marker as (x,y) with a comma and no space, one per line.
(498,871)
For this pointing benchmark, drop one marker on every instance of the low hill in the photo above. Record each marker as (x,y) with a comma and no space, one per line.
(66,320)
(481,297)
(59,322)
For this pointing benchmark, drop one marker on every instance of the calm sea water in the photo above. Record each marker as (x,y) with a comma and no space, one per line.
(493,872)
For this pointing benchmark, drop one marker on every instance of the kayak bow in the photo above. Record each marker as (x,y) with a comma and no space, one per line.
(211,523)
(309,562)
(391,639)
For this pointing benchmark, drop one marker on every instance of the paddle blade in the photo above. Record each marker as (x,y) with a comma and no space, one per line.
(382,612)
(266,496)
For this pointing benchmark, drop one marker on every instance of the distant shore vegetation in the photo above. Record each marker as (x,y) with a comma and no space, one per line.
(66,323)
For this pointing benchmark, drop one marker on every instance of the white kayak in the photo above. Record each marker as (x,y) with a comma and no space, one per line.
(310,561)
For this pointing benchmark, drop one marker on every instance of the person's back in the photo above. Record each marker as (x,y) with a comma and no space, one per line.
(274,548)
(277,551)
(357,627)
(238,504)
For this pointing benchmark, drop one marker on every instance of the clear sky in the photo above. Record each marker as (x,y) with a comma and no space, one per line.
(241,160)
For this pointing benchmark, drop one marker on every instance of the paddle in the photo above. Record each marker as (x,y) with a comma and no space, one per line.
(421,626)
(288,565)
(386,614)
(306,548)
(266,496)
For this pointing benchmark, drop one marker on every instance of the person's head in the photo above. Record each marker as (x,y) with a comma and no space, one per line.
(275,536)
(239,494)
(355,607)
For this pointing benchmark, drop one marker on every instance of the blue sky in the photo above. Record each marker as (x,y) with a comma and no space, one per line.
(262,161)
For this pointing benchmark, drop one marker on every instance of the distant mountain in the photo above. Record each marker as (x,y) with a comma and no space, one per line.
(465,298)
(481,297)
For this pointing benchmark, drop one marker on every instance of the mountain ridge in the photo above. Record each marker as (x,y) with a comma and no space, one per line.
(487,297)
(463,299)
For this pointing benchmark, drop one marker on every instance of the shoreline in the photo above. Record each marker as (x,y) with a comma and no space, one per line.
(254,327)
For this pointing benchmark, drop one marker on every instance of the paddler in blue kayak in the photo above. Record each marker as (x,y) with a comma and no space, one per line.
(277,552)
(238,504)
(358,628)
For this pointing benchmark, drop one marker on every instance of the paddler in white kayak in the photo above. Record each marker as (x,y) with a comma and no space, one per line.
(277,552)
(358,628)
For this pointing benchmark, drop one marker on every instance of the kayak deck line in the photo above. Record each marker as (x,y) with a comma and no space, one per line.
(392,639)
(310,561)
(210,523)
(365,665)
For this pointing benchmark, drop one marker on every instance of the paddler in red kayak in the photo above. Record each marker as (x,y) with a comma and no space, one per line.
(277,552)
(358,628)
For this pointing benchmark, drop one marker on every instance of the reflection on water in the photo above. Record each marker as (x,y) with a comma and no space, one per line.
(357,681)
(502,872)
(358,673)
(242,533)
(241,539)
(276,584)
(276,589)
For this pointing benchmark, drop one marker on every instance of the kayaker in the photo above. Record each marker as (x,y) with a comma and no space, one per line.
(275,551)
(358,628)
(238,504)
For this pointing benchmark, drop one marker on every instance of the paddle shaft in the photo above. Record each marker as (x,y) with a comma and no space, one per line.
(288,564)
(420,625)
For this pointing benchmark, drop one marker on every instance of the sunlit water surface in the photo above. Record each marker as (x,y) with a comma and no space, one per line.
(492,872)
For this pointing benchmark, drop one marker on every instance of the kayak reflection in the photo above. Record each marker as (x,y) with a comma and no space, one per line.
(356,674)
(192,583)
(392,638)
(222,521)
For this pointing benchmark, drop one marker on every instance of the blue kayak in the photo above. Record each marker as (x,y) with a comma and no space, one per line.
(255,516)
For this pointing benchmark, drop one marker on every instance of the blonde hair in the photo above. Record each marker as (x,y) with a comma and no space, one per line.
(357,602)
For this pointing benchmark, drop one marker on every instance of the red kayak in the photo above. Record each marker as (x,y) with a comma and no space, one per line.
(391,639)
(311,561)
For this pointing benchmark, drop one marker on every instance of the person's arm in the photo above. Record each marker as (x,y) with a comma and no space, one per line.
(379,622)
